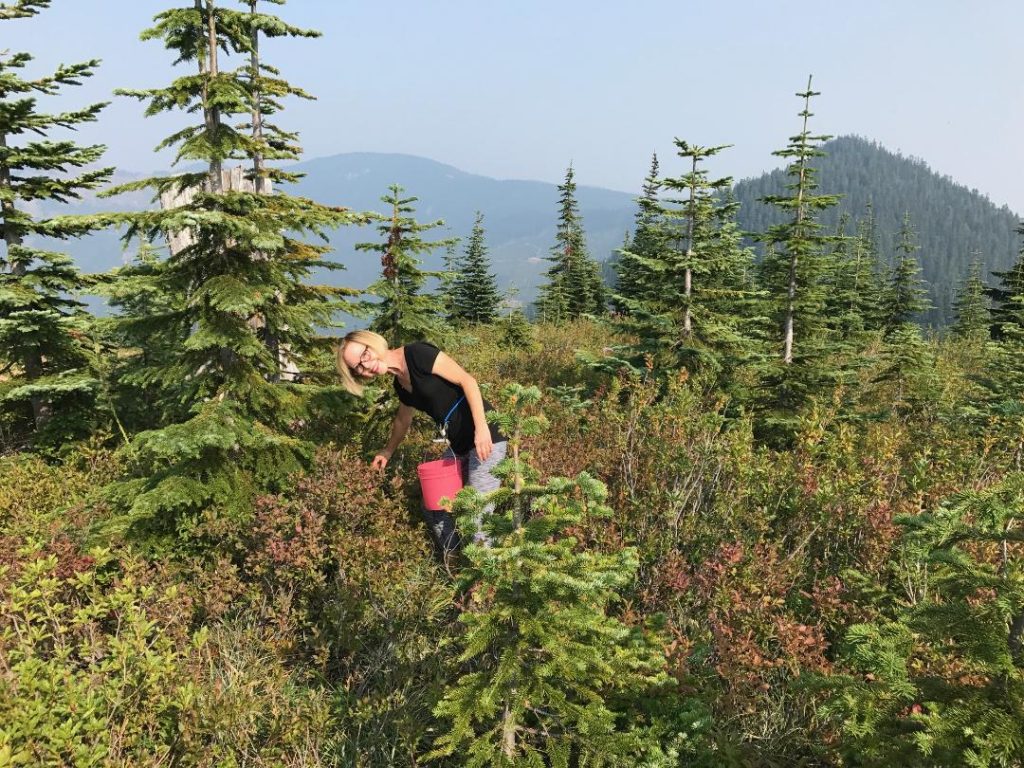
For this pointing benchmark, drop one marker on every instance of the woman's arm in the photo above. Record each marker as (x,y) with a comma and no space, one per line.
(399,428)
(448,369)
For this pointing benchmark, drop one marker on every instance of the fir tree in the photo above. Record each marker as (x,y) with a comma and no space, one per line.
(867,272)
(1005,308)
(938,678)
(446,280)
(405,312)
(237,277)
(908,366)
(516,331)
(793,274)
(971,306)
(632,278)
(1004,377)
(694,275)
(842,277)
(904,297)
(574,284)
(552,670)
(43,350)
(475,291)
(265,89)
(147,332)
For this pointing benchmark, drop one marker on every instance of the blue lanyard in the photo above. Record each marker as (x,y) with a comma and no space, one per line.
(457,404)
(444,424)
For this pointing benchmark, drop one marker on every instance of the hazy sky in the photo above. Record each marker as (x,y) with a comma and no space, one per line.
(518,89)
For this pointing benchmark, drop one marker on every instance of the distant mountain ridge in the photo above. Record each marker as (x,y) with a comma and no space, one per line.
(952,222)
(520,216)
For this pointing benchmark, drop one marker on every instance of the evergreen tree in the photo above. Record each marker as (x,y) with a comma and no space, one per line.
(972,314)
(793,274)
(631,273)
(43,355)
(475,291)
(147,333)
(446,280)
(236,282)
(1004,378)
(865,172)
(265,89)
(695,276)
(908,367)
(841,280)
(938,678)
(574,284)
(867,272)
(405,313)
(552,671)
(904,297)
(516,331)
(1005,308)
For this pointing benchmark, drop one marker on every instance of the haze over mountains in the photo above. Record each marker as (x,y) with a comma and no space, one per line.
(952,221)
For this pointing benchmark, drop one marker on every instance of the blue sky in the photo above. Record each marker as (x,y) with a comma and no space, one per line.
(518,89)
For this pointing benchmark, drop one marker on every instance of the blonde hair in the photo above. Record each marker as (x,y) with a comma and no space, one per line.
(373,341)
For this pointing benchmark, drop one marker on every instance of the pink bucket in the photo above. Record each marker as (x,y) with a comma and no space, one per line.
(439,478)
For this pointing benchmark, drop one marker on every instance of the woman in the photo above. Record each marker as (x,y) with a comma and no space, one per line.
(428,380)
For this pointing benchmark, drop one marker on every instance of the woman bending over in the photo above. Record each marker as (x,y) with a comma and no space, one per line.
(428,380)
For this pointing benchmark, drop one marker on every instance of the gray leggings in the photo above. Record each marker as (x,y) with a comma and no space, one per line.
(477,474)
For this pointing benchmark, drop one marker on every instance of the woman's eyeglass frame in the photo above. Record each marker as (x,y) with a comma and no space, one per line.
(364,357)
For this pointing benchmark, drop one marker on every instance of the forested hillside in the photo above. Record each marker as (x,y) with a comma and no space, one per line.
(954,225)
(734,510)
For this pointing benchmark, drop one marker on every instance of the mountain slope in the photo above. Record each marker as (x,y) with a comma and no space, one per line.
(952,221)
(520,216)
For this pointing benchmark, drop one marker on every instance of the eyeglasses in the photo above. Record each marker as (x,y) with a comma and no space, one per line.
(364,357)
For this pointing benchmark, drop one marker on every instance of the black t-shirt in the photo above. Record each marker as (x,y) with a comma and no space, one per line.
(435,396)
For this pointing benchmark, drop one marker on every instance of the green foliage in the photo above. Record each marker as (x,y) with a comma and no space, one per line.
(517,333)
(903,299)
(1005,306)
(633,280)
(404,313)
(574,286)
(939,678)
(475,291)
(689,288)
(792,272)
(953,220)
(232,311)
(908,366)
(972,308)
(551,671)
(50,388)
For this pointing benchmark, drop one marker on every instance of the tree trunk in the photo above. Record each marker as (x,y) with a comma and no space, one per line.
(508,734)
(211,114)
(688,277)
(258,164)
(787,344)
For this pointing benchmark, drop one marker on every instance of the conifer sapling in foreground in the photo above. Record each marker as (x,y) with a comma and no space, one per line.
(552,673)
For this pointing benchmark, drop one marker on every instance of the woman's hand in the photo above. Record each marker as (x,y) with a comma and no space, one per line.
(483,443)
(380,461)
